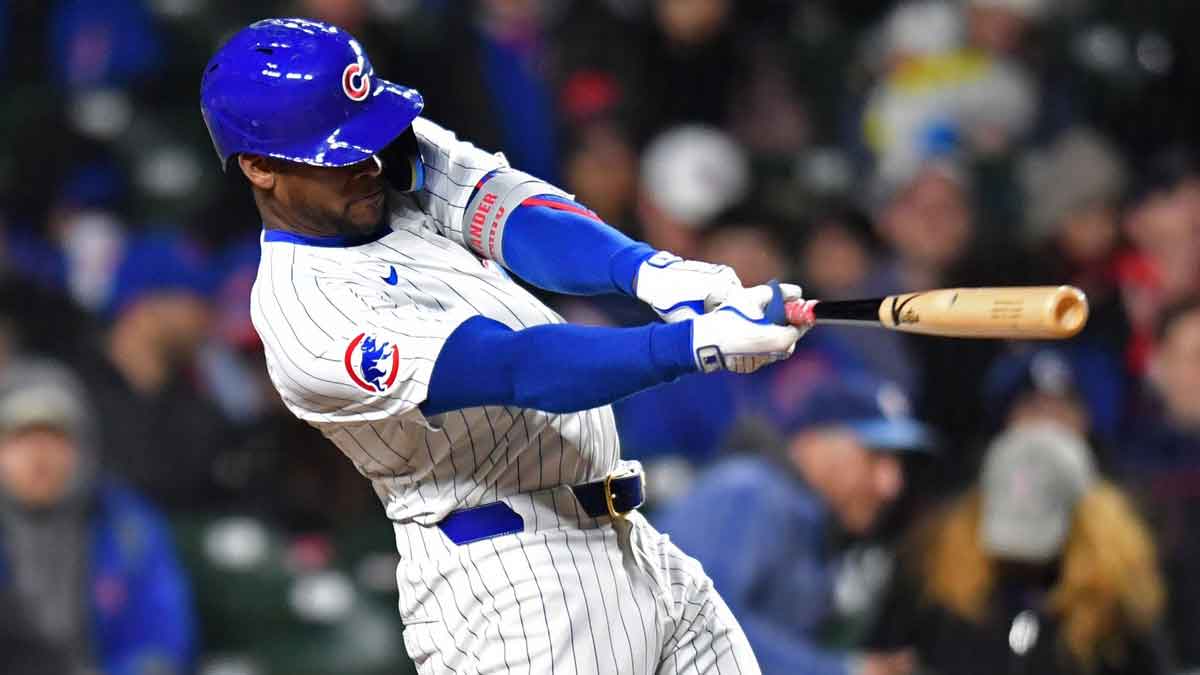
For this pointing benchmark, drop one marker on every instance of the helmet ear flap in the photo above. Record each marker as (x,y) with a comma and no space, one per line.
(402,165)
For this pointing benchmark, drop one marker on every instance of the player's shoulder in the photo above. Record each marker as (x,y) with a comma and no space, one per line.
(430,131)
(431,135)
(439,143)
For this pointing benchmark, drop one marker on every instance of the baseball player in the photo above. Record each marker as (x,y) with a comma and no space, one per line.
(391,321)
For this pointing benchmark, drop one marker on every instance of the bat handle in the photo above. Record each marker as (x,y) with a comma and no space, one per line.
(800,313)
(797,313)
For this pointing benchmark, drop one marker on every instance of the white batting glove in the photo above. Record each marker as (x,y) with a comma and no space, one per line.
(679,289)
(738,337)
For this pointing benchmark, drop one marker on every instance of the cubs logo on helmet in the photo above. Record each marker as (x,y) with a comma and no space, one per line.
(372,364)
(355,82)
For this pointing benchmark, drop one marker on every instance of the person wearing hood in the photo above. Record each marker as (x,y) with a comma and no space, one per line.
(89,565)
(1041,566)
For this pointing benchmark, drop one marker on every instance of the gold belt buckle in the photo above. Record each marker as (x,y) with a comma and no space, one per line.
(608,494)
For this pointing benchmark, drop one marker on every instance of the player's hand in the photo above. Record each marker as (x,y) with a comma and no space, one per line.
(679,289)
(737,336)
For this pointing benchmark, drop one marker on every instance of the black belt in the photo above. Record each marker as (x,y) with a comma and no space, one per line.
(614,497)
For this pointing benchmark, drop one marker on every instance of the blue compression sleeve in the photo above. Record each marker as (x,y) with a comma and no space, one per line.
(558,245)
(555,367)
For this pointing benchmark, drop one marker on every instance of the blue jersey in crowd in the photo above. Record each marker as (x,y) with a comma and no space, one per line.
(141,611)
(761,534)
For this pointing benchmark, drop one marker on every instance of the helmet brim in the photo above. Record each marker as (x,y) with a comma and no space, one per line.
(384,116)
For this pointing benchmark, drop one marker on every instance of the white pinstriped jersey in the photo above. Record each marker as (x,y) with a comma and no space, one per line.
(351,335)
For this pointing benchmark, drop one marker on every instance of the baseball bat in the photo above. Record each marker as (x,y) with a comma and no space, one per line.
(1019,312)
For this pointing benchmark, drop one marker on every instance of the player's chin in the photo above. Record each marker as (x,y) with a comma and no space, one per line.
(367,212)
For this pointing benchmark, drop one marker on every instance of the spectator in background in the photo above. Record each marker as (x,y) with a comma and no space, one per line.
(601,169)
(1001,27)
(838,256)
(936,96)
(1171,438)
(89,563)
(99,44)
(1160,458)
(160,433)
(1074,190)
(36,318)
(88,231)
(689,176)
(1042,567)
(1163,224)
(761,525)
(697,65)
(767,114)
(23,651)
(928,225)
(837,252)
(751,249)
(492,79)
(1074,385)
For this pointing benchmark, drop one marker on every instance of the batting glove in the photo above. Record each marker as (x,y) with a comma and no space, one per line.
(679,289)
(738,336)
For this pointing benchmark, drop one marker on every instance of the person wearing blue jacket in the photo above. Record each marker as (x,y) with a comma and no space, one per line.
(89,565)
(761,524)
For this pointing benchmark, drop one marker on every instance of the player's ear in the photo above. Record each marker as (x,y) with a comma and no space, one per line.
(259,170)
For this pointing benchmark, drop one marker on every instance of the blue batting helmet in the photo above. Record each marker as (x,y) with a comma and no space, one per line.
(303,91)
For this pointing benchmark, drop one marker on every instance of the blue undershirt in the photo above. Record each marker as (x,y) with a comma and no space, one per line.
(558,245)
(558,368)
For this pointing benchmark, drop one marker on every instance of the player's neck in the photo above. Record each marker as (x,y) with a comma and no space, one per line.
(275,217)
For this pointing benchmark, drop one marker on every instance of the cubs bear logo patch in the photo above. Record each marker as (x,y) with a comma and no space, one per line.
(371,363)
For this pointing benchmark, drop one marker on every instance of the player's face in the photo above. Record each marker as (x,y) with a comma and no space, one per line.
(36,466)
(348,200)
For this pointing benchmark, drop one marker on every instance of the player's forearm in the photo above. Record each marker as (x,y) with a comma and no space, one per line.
(557,367)
(557,245)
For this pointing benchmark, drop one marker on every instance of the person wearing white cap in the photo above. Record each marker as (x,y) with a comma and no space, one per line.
(88,564)
(1042,567)
(689,175)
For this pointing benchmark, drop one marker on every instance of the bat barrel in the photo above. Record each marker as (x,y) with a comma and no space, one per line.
(1045,312)
(1069,310)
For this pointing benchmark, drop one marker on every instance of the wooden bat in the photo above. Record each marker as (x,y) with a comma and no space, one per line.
(1019,312)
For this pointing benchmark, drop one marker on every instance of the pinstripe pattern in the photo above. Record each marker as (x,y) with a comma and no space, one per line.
(308,303)
(570,594)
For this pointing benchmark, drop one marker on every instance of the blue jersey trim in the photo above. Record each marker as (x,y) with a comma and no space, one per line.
(326,242)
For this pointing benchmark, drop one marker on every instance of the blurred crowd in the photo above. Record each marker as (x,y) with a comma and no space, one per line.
(878,504)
